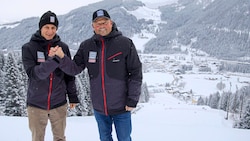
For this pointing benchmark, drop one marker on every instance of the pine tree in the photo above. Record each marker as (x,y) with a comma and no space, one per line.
(1,61)
(214,100)
(2,86)
(244,122)
(224,101)
(234,105)
(200,101)
(22,81)
(2,97)
(84,108)
(144,97)
(14,102)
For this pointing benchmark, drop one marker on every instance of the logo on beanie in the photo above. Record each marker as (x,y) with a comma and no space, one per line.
(52,19)
(48,18)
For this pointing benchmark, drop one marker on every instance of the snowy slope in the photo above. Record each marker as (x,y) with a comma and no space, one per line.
(163,118)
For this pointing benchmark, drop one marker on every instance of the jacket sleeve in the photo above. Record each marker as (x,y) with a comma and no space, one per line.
(71,89)
(73,67)
(32,68)
(70,84)
(134,67)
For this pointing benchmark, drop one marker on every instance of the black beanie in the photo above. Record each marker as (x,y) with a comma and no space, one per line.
(48,18)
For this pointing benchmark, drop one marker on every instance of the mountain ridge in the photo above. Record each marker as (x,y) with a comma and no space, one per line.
(219,27)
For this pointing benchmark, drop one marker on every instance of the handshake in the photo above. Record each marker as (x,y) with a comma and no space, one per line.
(56,51)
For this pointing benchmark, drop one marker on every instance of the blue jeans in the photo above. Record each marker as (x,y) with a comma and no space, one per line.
(122,122)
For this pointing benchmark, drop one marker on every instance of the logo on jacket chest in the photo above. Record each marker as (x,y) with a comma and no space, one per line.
(92,57)
(40,56)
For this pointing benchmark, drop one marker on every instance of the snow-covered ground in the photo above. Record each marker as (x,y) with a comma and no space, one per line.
(163,118)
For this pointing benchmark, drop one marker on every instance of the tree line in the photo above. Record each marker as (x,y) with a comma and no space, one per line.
(236,105)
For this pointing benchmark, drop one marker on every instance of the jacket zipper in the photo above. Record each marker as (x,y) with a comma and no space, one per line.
(103,78)
(50,84)
(50,89)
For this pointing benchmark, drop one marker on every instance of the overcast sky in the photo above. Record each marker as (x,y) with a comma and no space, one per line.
(15,10)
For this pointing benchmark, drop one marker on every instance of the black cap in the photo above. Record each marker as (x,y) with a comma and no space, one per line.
(48,18)
(100,13)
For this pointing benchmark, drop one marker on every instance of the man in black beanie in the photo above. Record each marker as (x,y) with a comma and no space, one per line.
(48,18)
(48,86)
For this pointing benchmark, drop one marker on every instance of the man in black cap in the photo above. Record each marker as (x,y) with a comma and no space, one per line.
(48,86)
(115,73)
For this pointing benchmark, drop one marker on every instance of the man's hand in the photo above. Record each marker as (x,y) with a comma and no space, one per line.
(59,52)
(129,108)
(56,51)
(52,51)
(72,105)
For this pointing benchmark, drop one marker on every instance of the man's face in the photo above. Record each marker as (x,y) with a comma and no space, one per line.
(48,31)
(102,26)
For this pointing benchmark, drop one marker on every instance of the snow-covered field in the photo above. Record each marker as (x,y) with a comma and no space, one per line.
(163,118)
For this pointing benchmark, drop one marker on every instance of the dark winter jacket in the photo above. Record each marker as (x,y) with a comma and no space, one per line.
(114,69)
(48,84)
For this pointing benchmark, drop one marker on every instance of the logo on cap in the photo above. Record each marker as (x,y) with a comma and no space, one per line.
(100,13)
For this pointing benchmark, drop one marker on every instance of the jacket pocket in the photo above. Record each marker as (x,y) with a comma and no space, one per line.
(115,57)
